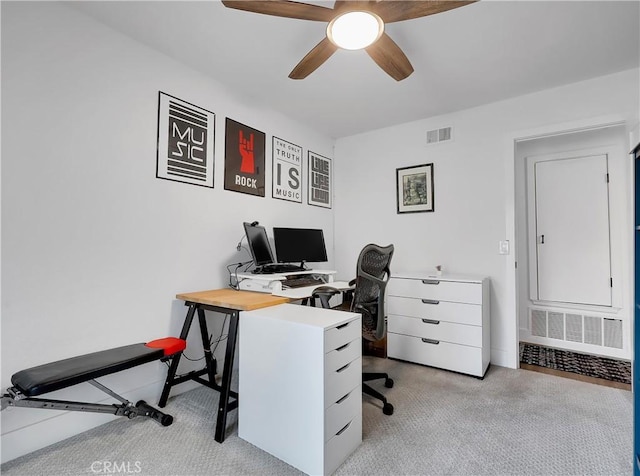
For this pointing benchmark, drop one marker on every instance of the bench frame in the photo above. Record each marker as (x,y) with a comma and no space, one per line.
(16,398)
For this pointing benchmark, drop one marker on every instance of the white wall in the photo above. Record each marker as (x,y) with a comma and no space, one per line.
(94,247)
(474,187)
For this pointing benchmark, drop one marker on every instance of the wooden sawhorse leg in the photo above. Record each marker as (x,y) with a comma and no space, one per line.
(210,363)
(226,394)
(224,405)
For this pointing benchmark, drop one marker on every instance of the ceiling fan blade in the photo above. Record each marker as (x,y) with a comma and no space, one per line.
(397,10)
(314,58)
(283,8)
(388,55)
(351,5)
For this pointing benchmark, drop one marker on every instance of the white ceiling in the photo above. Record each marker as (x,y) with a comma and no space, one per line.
(474,55)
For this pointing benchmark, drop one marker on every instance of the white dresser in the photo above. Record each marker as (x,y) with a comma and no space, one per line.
(300,384)
(439,321)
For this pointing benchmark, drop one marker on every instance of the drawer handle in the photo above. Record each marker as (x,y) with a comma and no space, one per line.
(343,398)
(344,429)
(342,326)
(430,281)
(342,347)
(430,301)
(430,341)
(341,369)
(430,321)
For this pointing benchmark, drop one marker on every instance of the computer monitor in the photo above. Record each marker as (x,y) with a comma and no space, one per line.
(258,244)
(299,245)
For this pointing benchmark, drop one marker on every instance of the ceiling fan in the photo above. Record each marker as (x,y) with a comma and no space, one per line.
(340,33)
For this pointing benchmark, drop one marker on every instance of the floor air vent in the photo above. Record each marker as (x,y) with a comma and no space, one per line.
(573,327)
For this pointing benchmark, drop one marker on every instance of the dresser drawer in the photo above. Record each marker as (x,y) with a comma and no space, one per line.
(342,444)
(342,412)
(343,355)
(436,330)
(341,335)
(436,289)
(459,358)
(338,383)
(436,310)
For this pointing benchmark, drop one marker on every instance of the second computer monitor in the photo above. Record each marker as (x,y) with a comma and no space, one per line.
(299,245)
(258,244)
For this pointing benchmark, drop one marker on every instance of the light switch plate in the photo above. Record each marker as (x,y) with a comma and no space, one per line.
(504,247)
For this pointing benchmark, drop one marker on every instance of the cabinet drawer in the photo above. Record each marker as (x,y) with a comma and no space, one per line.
(341,335)
(461,313)
(343,355)
(436,330)
(433,288)
(459,358)
(342,412)
(339,382)
(342,444)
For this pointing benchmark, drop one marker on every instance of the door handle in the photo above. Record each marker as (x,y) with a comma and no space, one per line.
(430,281)
(541,239)
(430,301)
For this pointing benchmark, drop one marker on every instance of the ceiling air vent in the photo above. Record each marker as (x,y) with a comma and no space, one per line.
(439,135)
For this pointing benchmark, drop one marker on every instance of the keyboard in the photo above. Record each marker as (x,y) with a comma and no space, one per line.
(301,281)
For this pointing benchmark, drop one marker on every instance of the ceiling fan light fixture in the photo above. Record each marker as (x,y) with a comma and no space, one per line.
(355,30)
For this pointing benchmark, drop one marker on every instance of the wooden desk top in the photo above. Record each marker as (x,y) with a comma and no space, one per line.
(232,299)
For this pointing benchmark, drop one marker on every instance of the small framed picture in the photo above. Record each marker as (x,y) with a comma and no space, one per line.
(415,188)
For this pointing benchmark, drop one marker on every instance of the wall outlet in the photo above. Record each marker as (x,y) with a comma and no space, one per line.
(503,248)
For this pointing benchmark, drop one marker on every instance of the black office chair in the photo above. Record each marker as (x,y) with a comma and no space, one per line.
(367,298)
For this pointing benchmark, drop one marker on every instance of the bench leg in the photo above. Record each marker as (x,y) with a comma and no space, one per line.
(14,398)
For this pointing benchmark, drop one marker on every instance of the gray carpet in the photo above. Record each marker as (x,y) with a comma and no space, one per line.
(514,422)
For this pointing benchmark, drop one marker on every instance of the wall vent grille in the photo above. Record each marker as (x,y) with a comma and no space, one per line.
(539,323)
(572,327)
(612,333)
(556,325)
(592,330)
(443,134)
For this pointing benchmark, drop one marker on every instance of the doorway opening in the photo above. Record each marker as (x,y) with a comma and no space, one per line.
(573,244)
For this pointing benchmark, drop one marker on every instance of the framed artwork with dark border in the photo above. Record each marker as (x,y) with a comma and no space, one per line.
(319,180)
(186,139)
(244,160)
(414,187)
(287,170)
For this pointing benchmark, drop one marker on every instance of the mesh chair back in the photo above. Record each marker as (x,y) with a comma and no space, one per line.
(371,281)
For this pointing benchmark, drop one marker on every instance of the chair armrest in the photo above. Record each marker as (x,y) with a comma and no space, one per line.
(324,293)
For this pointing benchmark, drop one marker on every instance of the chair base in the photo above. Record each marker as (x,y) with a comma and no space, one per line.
(387,408)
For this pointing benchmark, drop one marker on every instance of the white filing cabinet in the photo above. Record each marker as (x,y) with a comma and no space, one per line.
(300,384)
(439,321)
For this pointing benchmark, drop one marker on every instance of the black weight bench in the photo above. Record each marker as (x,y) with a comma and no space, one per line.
(53,376)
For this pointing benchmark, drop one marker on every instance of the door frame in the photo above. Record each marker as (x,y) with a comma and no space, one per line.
(512,354)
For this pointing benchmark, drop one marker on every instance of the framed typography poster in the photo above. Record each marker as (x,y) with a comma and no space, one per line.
(186,136)
(319,180)
(244,159)
(287,170)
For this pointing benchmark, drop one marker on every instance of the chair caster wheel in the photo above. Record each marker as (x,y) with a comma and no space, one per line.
(387,409)
(388,383)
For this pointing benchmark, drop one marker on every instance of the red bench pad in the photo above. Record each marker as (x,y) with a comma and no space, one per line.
(65,373)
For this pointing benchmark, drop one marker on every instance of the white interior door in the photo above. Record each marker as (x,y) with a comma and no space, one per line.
(572,228)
